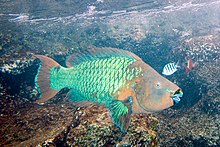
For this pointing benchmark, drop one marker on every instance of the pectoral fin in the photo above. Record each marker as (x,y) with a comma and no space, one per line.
(121,113)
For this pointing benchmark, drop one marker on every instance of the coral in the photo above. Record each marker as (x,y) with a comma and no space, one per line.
(26,124)
(96,129)
(23,123)
(32,124)
(199,124)
(202,48)
(16,66)
(190,129)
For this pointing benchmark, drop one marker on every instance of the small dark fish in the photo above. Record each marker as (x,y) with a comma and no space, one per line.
(190,65)
(115,78)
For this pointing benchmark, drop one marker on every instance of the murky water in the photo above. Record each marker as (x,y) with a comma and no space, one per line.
(158,31)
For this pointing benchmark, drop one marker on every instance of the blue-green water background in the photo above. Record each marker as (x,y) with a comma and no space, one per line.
(159,31)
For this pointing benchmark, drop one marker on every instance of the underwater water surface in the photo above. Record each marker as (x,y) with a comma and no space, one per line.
(158,31)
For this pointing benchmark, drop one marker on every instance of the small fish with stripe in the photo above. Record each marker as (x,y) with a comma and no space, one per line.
(170,68)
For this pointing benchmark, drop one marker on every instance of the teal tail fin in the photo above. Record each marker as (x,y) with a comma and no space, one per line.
(42,78)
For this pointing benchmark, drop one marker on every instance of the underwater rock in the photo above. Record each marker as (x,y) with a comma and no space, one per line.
(26,124)
(33,124)
(16,66)
(202,48)
(95,128)
(193,128)
(198,125)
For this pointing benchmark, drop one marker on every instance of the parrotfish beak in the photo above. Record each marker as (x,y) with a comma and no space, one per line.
(176,96)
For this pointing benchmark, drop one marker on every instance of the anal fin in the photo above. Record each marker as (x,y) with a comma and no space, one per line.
(121,113)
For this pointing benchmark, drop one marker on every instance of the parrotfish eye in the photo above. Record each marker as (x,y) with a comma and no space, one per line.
(158,85)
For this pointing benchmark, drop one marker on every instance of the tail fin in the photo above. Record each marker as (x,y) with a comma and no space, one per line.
(42,79)
(177,65)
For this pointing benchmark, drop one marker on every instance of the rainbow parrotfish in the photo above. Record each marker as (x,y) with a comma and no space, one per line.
(115,78)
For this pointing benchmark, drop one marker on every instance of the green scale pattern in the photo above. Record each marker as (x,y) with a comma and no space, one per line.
(95,80)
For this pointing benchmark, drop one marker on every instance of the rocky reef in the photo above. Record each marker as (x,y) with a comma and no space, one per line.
(194,122)
(198,124)
(95,128)
(60,124)
(192,128)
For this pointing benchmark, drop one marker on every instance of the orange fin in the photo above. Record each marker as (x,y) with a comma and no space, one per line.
(42,79)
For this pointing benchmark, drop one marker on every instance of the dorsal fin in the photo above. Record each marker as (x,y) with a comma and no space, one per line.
(98,53)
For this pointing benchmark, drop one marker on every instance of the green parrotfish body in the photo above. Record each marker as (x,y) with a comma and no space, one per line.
(118,79)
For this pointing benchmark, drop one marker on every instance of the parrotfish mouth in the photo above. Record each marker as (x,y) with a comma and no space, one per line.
(177,95)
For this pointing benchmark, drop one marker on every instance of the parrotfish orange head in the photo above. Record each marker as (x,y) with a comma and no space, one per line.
(154,92)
